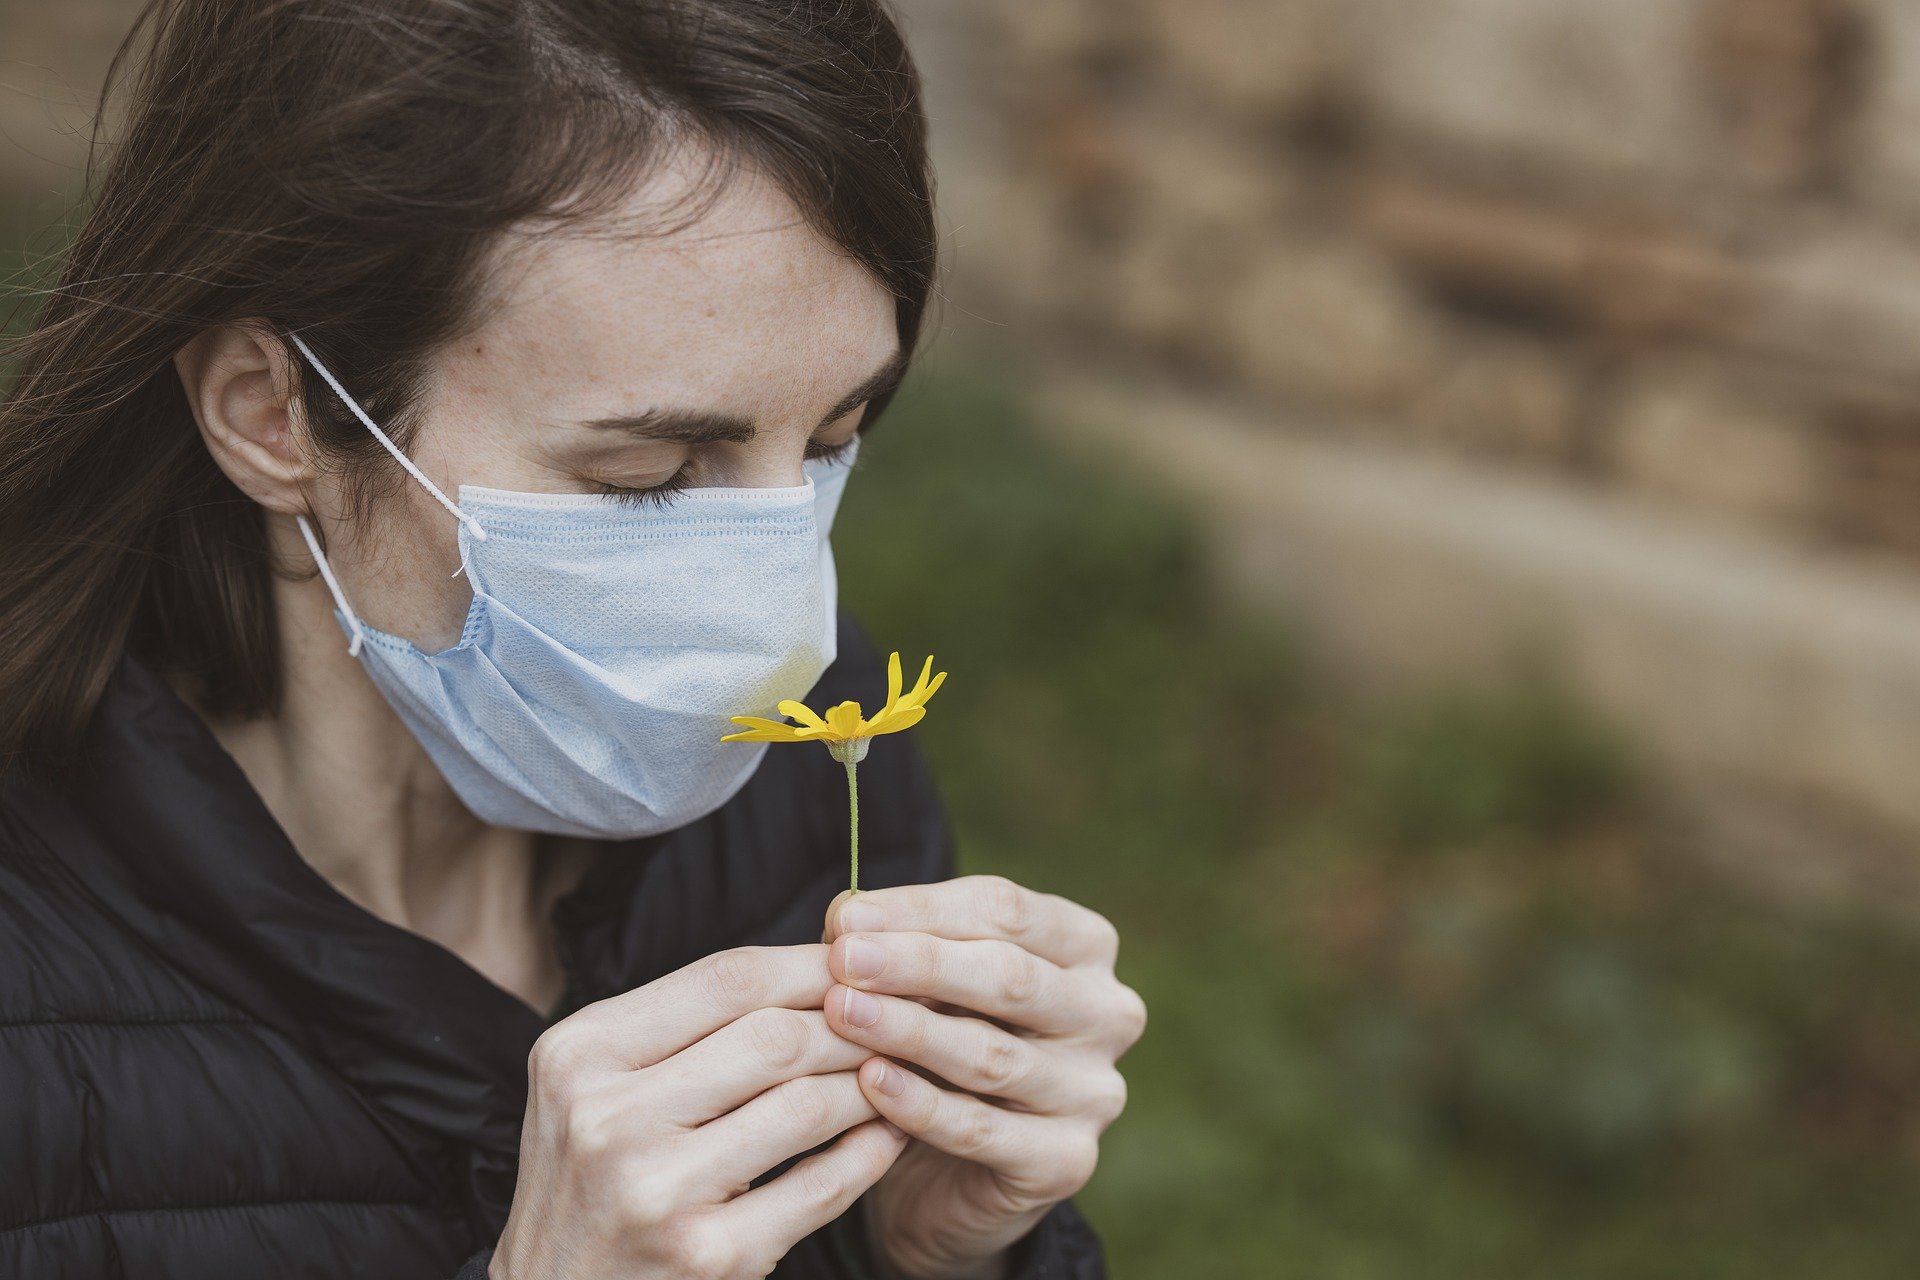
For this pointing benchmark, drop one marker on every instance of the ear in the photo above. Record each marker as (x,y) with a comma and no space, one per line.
(240,384)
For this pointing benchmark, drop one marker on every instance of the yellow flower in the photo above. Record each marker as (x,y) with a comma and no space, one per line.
(846,733)
(843,730)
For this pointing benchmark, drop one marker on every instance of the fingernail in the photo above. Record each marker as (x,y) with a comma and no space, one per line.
(861,1009)
(862,917)
(894,1129)
(891,1082)
(864,959)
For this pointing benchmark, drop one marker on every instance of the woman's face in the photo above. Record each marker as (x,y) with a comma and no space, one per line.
(724,353)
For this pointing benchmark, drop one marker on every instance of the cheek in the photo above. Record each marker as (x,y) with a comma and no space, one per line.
(400,574)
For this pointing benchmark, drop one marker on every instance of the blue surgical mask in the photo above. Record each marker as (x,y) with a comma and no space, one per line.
(608,643)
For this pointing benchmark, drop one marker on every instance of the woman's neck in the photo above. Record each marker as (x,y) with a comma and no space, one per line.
(365,806)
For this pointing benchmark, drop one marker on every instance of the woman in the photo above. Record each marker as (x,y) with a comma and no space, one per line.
(432,440)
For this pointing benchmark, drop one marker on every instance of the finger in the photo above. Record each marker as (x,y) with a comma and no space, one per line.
(786,1209)
(1000,979)
(1040,1157)
(971,1053)
(985,906)
(651,1023)
(730,1152)
(745,1058)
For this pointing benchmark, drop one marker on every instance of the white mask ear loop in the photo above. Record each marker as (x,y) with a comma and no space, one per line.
(333,585)
(473,526)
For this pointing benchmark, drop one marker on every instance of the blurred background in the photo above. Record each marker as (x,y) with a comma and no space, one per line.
(1421,501)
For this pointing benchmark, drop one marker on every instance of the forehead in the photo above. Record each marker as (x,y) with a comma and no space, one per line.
(745,308)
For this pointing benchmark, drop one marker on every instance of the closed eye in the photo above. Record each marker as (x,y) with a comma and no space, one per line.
(661,494)
(830,452)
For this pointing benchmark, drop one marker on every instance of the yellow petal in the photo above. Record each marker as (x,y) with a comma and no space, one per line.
(757,722)
(844,720)
(782,734)
(801,712)
(893,679)
(923,689)
(896,720)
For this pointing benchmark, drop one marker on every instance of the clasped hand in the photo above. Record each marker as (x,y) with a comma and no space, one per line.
(947,1047)
(1000,1019)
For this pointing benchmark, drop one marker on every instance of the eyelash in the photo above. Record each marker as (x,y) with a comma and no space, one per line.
(663,493)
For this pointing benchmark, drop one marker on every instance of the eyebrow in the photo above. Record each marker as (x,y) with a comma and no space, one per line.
(695,426)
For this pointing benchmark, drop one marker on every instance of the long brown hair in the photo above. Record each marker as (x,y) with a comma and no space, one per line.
(337,168)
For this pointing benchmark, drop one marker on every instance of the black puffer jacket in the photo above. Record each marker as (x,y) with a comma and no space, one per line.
(213,1064)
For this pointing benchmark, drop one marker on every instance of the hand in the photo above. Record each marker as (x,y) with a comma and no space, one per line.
(1004,1004)
(649,1115)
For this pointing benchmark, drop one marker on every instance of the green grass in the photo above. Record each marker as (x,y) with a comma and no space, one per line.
(1429,996)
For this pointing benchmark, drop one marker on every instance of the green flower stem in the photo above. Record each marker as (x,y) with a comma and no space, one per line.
(853,818)
(850,753)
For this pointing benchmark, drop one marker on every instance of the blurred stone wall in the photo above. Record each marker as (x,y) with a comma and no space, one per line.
(1473,320)
(1670,246)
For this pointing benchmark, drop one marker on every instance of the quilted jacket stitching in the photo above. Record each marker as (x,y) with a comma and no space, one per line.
(230,1206)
